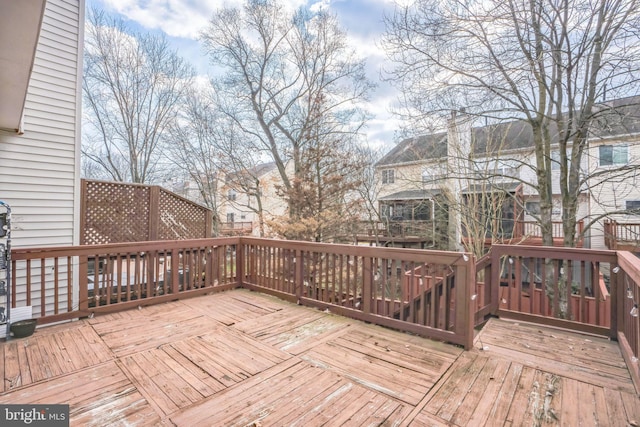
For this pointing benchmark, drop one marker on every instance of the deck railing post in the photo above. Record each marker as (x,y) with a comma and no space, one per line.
(617,299)
(240,257)
(367,283)
(175,276)
(494,283)
(298,273)
(465,288)
(83,291)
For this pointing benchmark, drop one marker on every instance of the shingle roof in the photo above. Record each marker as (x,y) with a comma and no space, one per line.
(432,146)
(412,195)
(612,118)
(254,172)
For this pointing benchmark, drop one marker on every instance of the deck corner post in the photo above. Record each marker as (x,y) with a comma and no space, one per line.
(465,289)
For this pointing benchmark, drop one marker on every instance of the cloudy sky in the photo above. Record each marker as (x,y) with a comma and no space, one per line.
(182,20)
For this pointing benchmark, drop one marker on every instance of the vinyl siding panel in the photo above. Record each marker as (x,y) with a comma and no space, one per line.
(39,171)
(612,195)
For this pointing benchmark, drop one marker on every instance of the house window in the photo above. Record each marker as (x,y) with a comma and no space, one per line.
(231,195)
(388,176)
(613,155)
(633,207)
(432,177)
(532,208)
(555,160)
(422,211)
(230,217)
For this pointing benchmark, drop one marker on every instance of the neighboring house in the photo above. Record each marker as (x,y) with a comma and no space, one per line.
(190,188)
(474,182)
(41,47)
(41,44)
(251,200)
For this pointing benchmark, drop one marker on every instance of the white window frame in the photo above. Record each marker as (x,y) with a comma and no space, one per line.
(615,149)
(388,176)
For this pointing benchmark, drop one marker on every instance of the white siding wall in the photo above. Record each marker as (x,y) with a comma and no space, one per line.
(39,171)
(612,195)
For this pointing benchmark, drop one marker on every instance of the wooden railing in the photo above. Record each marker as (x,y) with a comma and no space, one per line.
(68,282)
(441,295)
(424,292)
(585,290)
(236,228)
(399,229)
(627,319)
(622,234)
(533,229)
(391,287)
(563,287)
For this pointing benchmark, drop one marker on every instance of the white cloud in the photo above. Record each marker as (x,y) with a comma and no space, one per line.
(320,5)
(177,18)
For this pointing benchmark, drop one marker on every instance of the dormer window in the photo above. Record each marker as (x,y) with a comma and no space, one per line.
(388,176)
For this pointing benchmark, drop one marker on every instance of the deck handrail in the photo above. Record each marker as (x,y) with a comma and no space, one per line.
(437,294)
(62,283)
(628,323)
(369,283)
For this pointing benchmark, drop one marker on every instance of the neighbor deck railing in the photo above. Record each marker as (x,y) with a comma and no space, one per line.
(621,234)
(533,229)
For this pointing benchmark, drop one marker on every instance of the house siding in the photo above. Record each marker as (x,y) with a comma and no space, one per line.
(39,170)
(612,195)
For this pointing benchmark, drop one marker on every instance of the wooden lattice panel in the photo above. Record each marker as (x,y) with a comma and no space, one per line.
(120,212)
(115,212)
(180,218)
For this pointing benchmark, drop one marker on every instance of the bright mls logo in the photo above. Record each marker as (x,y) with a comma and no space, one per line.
(34,415)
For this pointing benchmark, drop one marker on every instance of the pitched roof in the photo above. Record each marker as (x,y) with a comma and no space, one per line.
(612,118)
(412,195)
(432,146)
(251,173)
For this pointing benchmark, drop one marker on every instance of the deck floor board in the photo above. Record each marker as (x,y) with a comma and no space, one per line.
(242,358)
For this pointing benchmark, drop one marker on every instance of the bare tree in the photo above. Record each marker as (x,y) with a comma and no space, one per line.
(323,190)
(545,62)
(277,66)
(193,146)
(132,85)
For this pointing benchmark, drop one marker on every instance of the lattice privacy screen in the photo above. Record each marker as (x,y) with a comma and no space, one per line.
(115,212)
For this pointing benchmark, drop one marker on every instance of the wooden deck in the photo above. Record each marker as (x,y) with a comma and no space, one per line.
(243,358)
